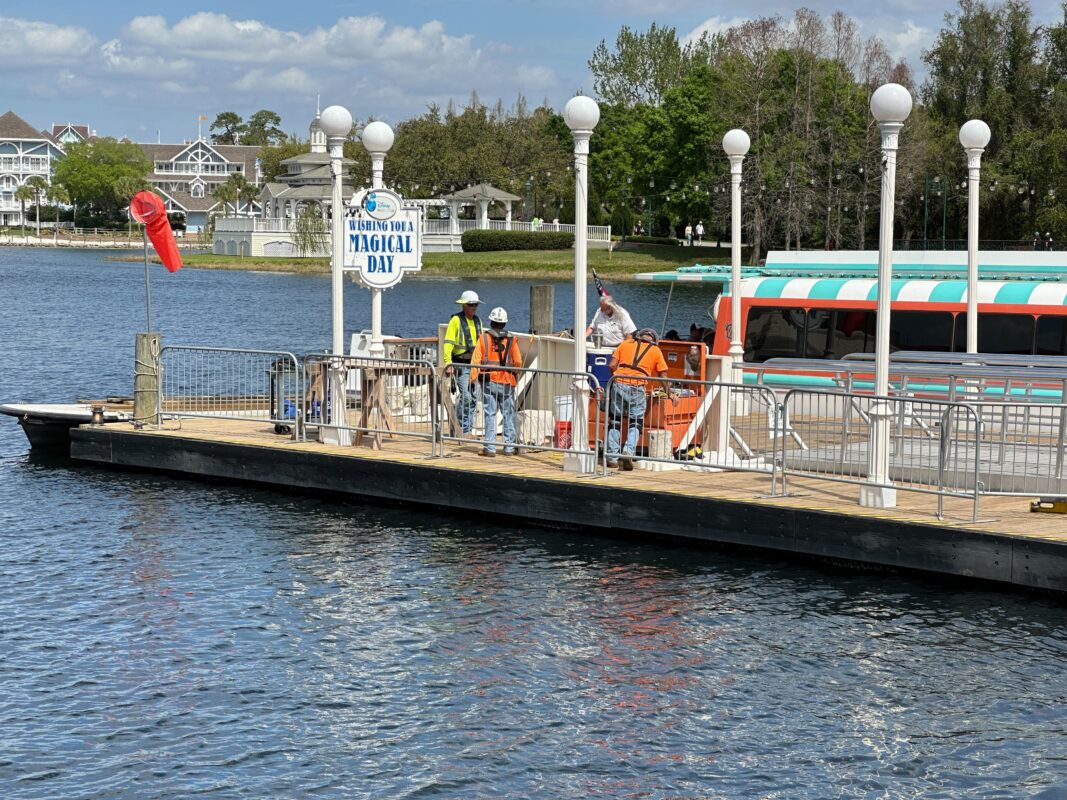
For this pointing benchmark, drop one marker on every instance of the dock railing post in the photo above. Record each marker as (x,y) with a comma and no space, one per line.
(146,406)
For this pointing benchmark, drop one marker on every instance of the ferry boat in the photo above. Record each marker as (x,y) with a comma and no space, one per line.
(822,305)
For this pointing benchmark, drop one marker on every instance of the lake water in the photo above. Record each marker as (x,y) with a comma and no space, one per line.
(163,638)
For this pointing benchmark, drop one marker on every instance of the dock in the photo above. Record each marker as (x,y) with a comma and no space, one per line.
(817,519)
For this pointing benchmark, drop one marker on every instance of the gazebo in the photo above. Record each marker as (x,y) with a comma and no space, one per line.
(482,194)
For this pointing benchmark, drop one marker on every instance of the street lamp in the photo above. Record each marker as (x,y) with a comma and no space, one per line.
(377,138)
(890,106)
(336,122)
(974,136)
(581,115)
(735,143)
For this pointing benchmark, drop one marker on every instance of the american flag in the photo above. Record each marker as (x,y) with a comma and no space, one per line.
(600,290)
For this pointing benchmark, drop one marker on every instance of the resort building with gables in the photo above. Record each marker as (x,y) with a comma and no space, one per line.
(187,175)
(25,152)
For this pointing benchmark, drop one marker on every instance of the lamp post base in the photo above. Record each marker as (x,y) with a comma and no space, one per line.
(878,496)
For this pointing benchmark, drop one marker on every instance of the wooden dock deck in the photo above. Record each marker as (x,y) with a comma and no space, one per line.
(818,519)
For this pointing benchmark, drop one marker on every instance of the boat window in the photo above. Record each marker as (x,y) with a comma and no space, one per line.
(920,330)
(1051,336)
(999,333)
(773,333)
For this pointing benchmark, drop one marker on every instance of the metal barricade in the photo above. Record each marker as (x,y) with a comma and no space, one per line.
(384,398)
(1021,448)
(225,383)
(932,442)
(680,425)
(550,407)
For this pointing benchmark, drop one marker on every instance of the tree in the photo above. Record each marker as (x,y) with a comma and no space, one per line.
(59,196)
(271,156)
(38,187)
(125,188)
(230,128)
(643,67)
(310,234)
(263,129)
(23,194)
(90,172)
(226,193)
(235,191)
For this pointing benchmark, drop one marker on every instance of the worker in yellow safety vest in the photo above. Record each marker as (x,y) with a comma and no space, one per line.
(461,337)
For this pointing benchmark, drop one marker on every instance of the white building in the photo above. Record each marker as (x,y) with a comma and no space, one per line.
(188,174)
(24,153)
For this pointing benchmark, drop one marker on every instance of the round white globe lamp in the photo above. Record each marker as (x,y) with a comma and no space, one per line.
(336,122)
(581,113)
(975,134)
(736,142)
(890,102)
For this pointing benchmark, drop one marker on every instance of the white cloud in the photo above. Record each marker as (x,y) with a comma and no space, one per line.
(532,79)
(909,43)
(712,26)
(29,43)
(292,81)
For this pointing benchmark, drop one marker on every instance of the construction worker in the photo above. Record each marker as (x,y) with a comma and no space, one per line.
(632,363)
(497,348)
(461,337)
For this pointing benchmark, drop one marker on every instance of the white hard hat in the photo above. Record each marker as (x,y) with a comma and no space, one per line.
(498,315)
(468,297)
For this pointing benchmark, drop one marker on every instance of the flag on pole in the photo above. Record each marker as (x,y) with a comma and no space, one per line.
(600,290)
(148,209)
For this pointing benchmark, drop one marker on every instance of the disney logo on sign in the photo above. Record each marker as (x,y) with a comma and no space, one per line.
(381,204)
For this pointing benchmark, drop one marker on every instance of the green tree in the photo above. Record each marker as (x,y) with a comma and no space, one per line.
(230,128)
(310,233)
(643,67)
(23,194)
(90,172)
(263,128)
(125,188)
(271,156)
(58,196)
(39,187)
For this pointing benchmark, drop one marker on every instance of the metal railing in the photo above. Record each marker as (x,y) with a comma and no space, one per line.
(547,418)
(256,385)
(680,426)
(932,442)
(383,398)
(1020,448)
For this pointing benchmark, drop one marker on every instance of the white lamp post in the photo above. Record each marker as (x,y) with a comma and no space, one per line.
(974,136)
(336,123)
(581,115)
(377,138)
(735,143)
(890,105)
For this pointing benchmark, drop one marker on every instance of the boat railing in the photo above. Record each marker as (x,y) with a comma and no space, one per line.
(1022,361)
(231,383)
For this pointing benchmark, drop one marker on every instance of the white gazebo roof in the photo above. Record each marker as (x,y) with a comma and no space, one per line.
(481,191)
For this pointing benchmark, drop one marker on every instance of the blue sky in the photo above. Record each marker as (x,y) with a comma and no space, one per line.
(133,69)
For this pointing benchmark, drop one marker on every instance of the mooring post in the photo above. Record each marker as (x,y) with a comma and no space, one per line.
(146,379)
(542,319)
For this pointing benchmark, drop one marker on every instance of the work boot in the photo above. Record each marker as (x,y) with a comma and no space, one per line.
(627,464)
(487,453)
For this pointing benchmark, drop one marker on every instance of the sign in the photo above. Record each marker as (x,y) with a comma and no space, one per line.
(383,237)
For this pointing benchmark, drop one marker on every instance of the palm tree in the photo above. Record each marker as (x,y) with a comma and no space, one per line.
(38,187)
(23,194)
(58,196)
(226,193)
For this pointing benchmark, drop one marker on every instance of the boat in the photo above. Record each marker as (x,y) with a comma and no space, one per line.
(47,425)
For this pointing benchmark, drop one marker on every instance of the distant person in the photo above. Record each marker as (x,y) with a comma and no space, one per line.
(536,223)
(1038,243)
(461,338)
(1048,240)
(611,323)
(689,234)
(497,348)
(700,231)
(633,362)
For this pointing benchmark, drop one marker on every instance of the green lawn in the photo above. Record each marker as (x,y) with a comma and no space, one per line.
(524,264)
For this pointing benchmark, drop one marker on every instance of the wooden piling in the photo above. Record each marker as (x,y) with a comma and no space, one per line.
(146,379)
(542,318)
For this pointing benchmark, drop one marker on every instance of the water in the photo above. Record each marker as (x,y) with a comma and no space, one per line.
(167,638)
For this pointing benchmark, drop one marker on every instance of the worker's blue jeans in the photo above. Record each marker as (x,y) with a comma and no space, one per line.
(466,401)
(625,400)
(502,395)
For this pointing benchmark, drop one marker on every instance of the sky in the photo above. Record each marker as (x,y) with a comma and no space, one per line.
(148,70)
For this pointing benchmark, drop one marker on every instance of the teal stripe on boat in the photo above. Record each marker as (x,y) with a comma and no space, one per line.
(1014,293)
(894,290)
(948,292)
(772,287)
(826,289)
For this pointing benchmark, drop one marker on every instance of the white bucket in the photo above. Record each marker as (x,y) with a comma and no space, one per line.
(564,407)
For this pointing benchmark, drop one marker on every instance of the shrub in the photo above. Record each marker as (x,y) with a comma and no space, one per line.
(478,241)
(668,240)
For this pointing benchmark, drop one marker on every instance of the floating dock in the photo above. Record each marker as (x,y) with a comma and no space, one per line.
(817,520)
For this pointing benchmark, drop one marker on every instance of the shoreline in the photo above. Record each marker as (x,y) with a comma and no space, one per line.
(620,264)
